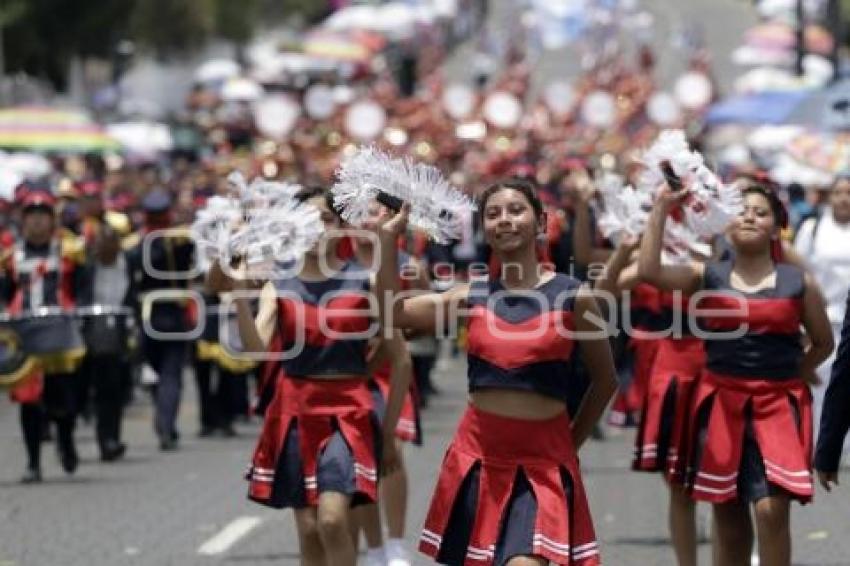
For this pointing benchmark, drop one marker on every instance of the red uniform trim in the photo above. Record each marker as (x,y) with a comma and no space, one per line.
(785,448)
(541,338)
(762,315)
(313,405)
(543,450)
(407,428)
(631,400)
(679,362)
(309,318)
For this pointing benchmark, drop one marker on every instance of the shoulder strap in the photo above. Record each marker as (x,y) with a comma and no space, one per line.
(817,218)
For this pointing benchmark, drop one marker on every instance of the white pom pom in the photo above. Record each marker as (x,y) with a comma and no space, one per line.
(213,225)
(261,222)
(625,209)
(436,207)
(709,207)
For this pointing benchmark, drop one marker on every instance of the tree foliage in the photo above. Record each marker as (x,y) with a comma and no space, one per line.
(40,37)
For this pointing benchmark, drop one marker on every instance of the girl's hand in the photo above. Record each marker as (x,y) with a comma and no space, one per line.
(392,226)
(218,280)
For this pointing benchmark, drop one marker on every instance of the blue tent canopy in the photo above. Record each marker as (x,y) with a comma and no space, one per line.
(759,108)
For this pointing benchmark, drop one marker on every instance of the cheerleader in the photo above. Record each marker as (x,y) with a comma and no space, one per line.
(319,449)
(509,490)
(677,360)
(393,487)
(750,428)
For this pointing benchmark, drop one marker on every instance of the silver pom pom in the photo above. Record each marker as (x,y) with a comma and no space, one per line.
(436,207)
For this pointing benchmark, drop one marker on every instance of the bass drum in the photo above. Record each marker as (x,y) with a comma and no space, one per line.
(15,365)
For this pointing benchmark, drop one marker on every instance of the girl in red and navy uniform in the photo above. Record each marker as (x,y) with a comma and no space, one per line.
(393,487)
(750,429)
(321,441)
(677,360)
(510,490)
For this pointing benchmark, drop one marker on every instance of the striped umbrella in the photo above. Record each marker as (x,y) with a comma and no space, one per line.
(37,128)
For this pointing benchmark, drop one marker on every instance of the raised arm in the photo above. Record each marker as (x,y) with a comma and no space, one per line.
(621,271)
(596,354)
(687,277)
(256,333)
(419,312)
(586,253)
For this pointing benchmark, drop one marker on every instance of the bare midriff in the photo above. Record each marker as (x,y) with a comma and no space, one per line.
(517,404)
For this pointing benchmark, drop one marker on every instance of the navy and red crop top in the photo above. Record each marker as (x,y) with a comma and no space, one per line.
(653,310)
(771,348)
(522,339)
(324,325)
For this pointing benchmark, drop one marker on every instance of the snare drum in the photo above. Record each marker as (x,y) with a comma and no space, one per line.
(51,335)
(106,330)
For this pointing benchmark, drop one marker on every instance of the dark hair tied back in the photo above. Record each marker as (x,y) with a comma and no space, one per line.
(314,191)
(521,185)
(776,206)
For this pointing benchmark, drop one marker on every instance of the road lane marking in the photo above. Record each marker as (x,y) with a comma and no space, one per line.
(229,535)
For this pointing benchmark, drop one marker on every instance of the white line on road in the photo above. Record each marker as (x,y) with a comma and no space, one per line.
(229,535)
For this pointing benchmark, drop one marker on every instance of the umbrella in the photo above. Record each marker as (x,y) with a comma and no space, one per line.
(51,129)
(241,89)
(827,109)
(144,139)
(783,36)
(355,46)
(15,168)
(216,70)
(757,108)
(822,151)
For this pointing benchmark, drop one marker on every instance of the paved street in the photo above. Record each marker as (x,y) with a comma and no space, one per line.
(189,507)
(169,509)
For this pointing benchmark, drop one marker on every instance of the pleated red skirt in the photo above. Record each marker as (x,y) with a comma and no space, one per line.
(409,427)
(499,452)
(629,401)
(315,411)
(777,415)
(661,441)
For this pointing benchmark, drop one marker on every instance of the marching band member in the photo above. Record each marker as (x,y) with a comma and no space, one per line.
(162,267)
(221,377)
(750,427)
(106,325)
(321,448)
(44,272)
(510,490)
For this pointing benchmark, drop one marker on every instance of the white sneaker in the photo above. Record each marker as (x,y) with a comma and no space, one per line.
(397,553)
(375,557)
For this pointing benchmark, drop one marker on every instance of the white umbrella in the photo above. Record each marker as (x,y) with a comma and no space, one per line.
(216,70)
(351,17)
(241,89)
(9,180)
(145,139)
(789,170)
(747,55)
(28,165)
(772,138)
